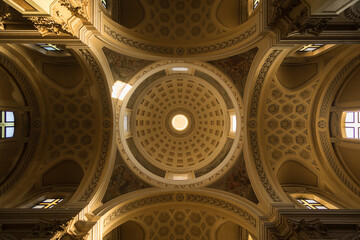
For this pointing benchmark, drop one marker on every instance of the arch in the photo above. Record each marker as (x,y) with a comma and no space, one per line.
(64,173)
(326,116)
(264,66)
(129,230)
(294,173)
(231,231)
(128,206)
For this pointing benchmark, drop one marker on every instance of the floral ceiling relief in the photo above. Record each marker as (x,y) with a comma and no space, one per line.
(123,67)
(237,67)
(122,181)
(236,181)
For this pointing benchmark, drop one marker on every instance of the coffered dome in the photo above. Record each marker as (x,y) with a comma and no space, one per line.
(179,123)
(180,117)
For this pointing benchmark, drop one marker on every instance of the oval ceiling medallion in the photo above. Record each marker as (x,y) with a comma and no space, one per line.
(176,128)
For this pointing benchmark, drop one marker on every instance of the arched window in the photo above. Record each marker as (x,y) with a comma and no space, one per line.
(7,124)
(351,125)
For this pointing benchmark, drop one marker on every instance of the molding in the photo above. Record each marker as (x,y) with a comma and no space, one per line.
(232,209)
(107,125)
(253,123)
(323,133)
(35,121)
(238,38)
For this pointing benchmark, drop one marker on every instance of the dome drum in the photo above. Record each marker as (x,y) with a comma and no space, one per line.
(164,153)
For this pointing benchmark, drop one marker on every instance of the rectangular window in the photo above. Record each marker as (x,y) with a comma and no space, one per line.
(256,3)
(350,132)
(126,123)
(311,47)
(49,47)
(9,116)
(233,123)
(311,203)
(9,132)
(104,3)
(350,117)
(47,203)
(7,124)
(352,125)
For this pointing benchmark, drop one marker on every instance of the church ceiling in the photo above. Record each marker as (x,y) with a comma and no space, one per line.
(123,67)
(178,20)
(176,117)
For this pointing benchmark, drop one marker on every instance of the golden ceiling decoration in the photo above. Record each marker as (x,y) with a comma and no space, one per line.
(207,140)
(195,146)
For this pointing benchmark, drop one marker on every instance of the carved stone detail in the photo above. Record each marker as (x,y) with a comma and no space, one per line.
(53,228)
(304,24)
(165,198)
(353,13)
(253,121)
(2,19)
(189,198)
(223,205)
(325,141)
(106,131)
(47,25)
(35,116)
(77,8)
(303,229)
(180,51)
(282,8)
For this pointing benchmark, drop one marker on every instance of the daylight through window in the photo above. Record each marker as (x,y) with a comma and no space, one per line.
(47,203)
(7,124)
(311,203)
(352,125)
(256,3)
(311,47)
(49,47)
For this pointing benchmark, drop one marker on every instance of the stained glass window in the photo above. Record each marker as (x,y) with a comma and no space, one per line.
(256,3)
(311,203)
(49,47)
(311,47)
(47,203)
(7,124)
(352,125)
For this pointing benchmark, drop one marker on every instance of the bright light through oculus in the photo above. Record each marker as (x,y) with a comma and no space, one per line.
(179,122)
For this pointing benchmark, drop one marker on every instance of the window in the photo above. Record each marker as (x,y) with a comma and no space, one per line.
(352,125)
(47,203)
(120,89)
(311,47)
(256,3)
(233,123)
(49,47)
(311,203)
(104,3)
(7,124)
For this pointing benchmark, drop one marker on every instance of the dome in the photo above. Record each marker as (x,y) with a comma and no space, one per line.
(180,119)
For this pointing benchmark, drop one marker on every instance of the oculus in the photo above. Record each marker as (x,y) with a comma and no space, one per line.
(179,122)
